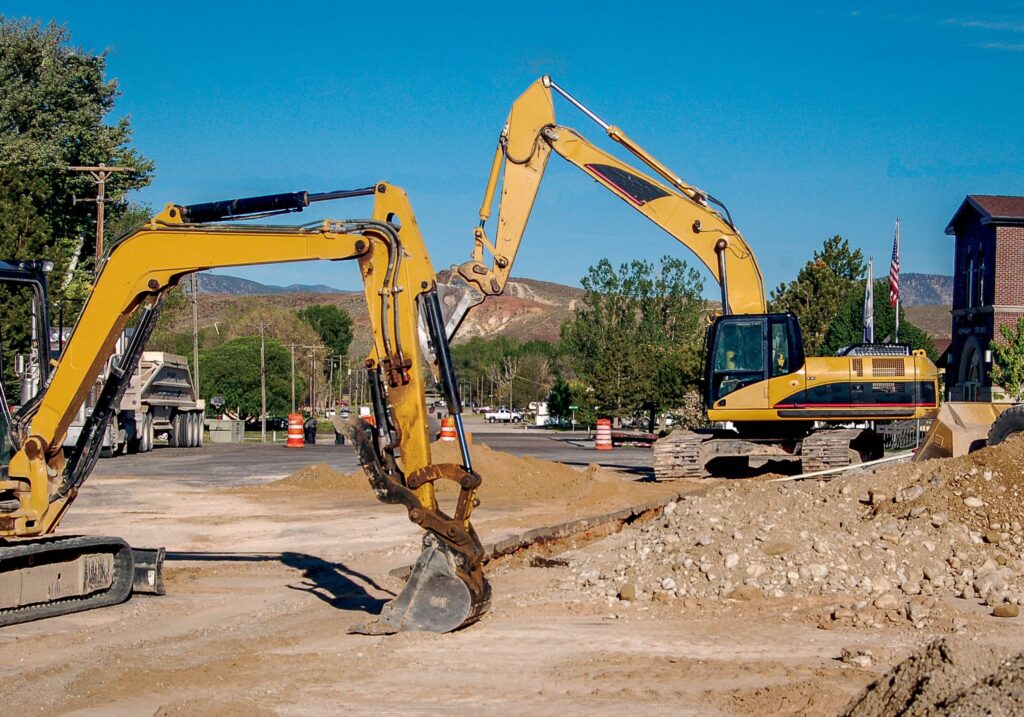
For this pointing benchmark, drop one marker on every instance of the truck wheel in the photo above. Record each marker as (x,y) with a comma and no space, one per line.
(490,420)
(194,428)
(1010,422)
(147,433)
(185,430)
(201,420)
(172,437)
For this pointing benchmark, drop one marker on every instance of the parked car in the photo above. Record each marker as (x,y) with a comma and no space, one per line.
(503,415)
(274,423)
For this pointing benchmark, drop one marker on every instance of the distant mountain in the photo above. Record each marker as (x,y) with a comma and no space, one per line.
(220,284)
(921,289)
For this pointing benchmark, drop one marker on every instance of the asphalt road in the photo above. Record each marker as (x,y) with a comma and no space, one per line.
(229,463)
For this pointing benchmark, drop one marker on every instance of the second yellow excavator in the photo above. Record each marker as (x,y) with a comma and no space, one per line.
(756,376)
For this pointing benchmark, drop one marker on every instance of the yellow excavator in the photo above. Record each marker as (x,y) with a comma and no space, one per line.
(43,575)
(756,377)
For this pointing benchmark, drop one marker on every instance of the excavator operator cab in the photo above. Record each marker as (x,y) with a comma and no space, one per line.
(747,348)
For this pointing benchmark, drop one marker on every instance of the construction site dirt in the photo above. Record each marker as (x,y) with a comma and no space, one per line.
(693,598)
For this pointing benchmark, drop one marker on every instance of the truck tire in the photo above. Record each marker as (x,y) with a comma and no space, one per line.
(147,433)
(1010,422)
(185,430)
(490,420)
(194,426)
(172,436)
(201,421)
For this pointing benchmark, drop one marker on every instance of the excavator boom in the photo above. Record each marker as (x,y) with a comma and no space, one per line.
(685,212)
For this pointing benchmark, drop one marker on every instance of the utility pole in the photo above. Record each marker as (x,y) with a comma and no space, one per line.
(195,333)
(262,326)
(293,377)
(100,174)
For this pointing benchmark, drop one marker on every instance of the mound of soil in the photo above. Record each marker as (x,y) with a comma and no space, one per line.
(885,545)
(508,478)
(946,679)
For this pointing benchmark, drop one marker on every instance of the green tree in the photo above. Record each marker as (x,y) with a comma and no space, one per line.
(332,324)
(232,370)
(848,326)
(820,290)
(52,115)
(495,368)
(636,335)
(53,108)
(1008,360)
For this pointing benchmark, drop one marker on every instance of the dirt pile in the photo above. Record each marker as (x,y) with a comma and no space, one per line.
(894,541)
(508,478)
(946,679)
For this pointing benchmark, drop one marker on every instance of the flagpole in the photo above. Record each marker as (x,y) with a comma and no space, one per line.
(897,292)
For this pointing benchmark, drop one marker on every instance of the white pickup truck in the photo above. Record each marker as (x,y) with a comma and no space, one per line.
(503,415)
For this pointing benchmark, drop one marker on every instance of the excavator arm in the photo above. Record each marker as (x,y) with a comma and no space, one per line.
(447,588)
(687,213)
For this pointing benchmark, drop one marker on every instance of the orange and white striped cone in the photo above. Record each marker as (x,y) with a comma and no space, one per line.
(604,435)
(448,430)
(295,439)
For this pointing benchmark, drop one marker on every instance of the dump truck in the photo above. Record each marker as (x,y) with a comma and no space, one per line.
(159,402)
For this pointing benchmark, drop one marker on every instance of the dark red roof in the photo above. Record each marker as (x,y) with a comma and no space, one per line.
(992,208)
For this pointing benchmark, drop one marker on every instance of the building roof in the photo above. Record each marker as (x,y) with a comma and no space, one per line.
(992,208)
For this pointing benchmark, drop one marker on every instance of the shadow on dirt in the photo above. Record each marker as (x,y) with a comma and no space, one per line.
(334,583)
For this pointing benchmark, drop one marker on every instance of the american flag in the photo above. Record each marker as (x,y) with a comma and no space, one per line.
(894,269)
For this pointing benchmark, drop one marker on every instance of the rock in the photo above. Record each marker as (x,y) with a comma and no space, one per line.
(989,582)
(992,537)
(670,508)
(818,571)
(859,658)
(881,584)
(1006,610)
(887,601)
(704,540)
(914,493)
(917,611)
(877,498)
(777,548)
(627,592)
(731,561)
(755,570)
(668,584)
(939,519)
(972,502)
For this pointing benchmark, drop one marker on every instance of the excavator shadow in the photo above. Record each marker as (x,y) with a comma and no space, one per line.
(334,583)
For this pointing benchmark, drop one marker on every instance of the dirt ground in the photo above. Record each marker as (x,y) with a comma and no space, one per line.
(264,579)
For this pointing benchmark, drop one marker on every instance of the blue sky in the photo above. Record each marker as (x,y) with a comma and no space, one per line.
(808,120)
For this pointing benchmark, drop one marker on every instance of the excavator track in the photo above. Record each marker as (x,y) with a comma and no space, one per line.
(837,448)
(57,576)
(680,455)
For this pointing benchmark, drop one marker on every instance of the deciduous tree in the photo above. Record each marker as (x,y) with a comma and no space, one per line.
(1008,360)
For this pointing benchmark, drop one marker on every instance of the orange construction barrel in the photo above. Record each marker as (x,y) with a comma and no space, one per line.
(295,439)
(448,429)
(604,435)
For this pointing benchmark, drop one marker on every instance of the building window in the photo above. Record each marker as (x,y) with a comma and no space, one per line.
(969,287)
(981,280)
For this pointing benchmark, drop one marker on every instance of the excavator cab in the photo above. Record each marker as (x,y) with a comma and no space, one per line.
(747,348)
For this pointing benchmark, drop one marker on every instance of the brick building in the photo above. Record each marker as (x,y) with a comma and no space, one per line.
(988,288)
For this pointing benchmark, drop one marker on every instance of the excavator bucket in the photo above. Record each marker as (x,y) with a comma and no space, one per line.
(446,589)
(959,428)
(435,599)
